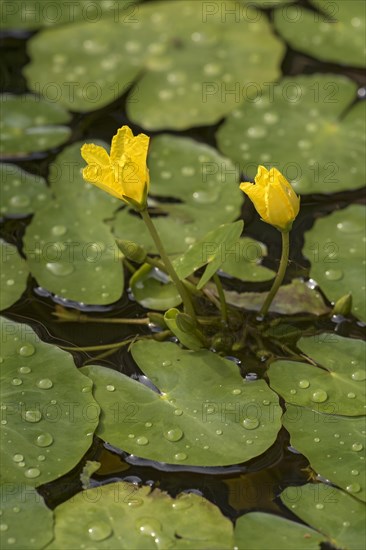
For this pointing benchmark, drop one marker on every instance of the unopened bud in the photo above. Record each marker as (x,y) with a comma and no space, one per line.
(343,306)
(132,251)
(186,323)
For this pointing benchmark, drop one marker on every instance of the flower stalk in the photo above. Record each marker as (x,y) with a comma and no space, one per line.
(280,274)
(186,299)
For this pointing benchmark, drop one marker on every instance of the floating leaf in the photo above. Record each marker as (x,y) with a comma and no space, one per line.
(324,137)
(257,530)
(73,254)
(336,514)
(334,446)
(153,289)
(335,33)
(21,193)
(337,388)
(191,73)
(336,249)
(212,250)
(244,261)
(34,14)
(23,511)
(121,515)
(297,297)
(48,414)
(205,413)
(198,178)
(14,275)
(31,124)
(68,185)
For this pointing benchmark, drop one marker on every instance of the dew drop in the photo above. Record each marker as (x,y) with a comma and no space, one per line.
(316,439)
(20,201)
(18,458)
(27,350)
(174,434)
(319,506)
(178,412)
(357,447)
(303,384)
(148,526)
(41,458)
(354,488)
(355,472)
(293,391)
(109,387)
(45,384)
(32,416)
(206,197)
(219,432)
(180,456)
(359,376)
(58,230)
(32,472)
(237,391)
(166,363)
(44,440)
(351,395)
(250,423)
(142,440)
(181,503)
(25,370)
(3,527)
(100,531)
(148,424)
(319,396)
(60,269)
(334,274)
(17,381)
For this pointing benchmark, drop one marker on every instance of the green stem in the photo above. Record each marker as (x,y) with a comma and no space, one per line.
(221,294)
(280,274)
(169,267)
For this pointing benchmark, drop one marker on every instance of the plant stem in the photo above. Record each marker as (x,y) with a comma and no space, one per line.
(187,303)
(220,292)
(280,274)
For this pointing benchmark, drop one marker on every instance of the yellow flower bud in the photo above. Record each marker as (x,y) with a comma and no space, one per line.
(123,173)
(273,197)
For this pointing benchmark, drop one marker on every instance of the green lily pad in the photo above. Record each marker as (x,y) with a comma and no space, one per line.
(200,179)
(335,33)
(14,275)
(68,185)
(121,515)
(35,14)
(21,193)
(334,446)
(205,413)
(196,71)
(31,124)
(337,388)
(153,289)
(23,511)
(336,249)
(212,250)
(297,297)
(324,141)
(244,261)
(48,414)
(257,530)
(338,515)
(73,254)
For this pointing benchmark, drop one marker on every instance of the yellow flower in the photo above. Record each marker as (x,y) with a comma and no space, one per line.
(273,197)
(123,173)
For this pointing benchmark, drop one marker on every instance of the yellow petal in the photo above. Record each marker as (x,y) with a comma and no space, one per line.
(103,178)
(280,212)
(94,154)
(257,195)
(262,176)
(119,142)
